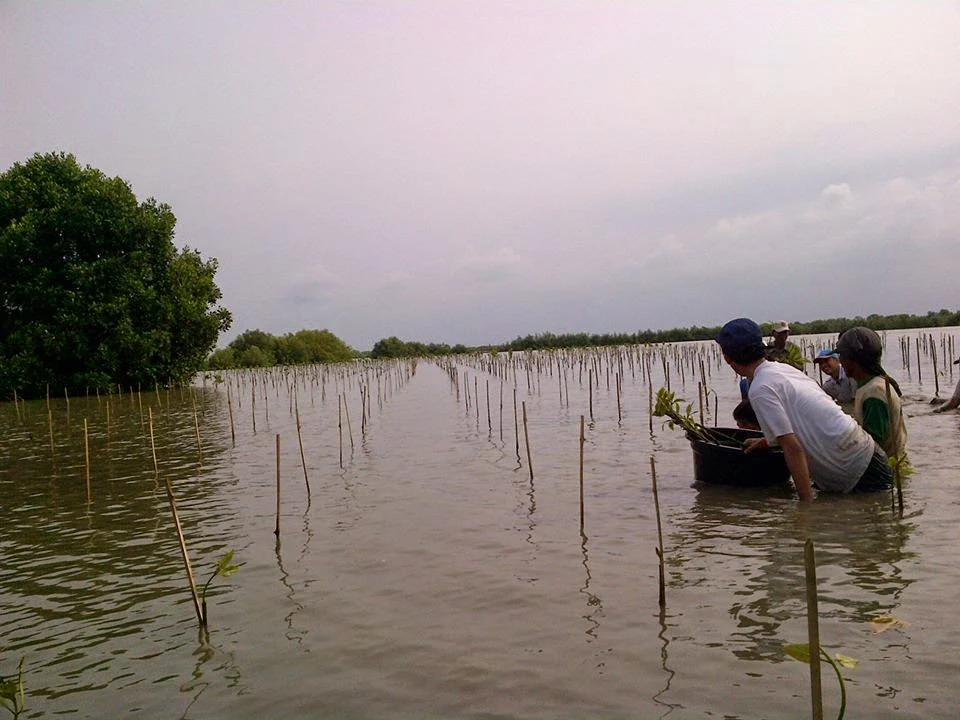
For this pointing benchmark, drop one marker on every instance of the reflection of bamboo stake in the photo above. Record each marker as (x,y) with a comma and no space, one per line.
(581,474)
(183,549)
(233,434)
(516,424)
(276,530)
(86,455)
(659,549)
(50,423)
(303,459)
(813,630)
(526,440)
(153,447)
(196,427)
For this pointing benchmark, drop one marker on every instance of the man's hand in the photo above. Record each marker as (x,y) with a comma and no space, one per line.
(755,444)
(796,458)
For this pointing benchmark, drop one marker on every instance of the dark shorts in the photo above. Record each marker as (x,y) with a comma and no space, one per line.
(878,476)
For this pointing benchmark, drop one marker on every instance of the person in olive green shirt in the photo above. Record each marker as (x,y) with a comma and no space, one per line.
(877,405)
(783,351)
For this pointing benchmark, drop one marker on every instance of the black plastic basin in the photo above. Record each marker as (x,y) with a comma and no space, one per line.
(717,464)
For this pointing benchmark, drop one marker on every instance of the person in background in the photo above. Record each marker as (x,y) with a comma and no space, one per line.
(822,445)
(837,385)
(877,405)
(954,401)
(782,350)
(745,417)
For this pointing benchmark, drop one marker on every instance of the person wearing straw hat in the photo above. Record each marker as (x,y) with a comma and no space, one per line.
(823,446)
(954,401)
(837,385)
(783,351)
(876,406)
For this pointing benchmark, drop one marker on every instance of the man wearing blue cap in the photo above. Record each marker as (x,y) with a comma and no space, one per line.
(837,385)
(822,445)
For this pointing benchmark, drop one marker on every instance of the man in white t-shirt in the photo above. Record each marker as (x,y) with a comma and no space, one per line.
(822,445)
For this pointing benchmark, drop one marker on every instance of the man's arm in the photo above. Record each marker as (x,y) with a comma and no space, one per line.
(796,458)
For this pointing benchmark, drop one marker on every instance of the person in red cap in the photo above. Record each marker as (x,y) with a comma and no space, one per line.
(823,446)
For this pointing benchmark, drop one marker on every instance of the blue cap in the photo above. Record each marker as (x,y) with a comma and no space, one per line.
(826,353)
(740,335)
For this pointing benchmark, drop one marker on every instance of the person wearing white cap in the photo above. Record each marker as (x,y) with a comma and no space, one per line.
(783,351)
(837,385)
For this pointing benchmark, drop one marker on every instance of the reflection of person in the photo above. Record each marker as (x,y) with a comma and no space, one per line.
(783,351)
(877,405)
(955,400)
(820,442)
(837,385)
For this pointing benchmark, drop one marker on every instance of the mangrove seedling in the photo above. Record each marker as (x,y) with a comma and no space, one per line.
(801,652)
(669,406)
(11,692)
(225,568)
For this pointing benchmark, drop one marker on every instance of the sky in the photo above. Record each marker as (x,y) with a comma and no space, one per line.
(459,172)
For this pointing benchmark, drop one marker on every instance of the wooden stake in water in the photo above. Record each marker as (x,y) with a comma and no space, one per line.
(276,530)
(590,384)
(16,406)
(813,630)
(183,548)
(656,504)
(303,458)
(233,433)
(526,440)
(340,427)
(153,447)
(346,411)
(516,424)
(86,455)
(936,380)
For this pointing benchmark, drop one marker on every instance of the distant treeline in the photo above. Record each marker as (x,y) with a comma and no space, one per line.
(393,347)
(256,348)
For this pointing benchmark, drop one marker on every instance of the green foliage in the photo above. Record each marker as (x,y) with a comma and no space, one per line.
(394,347)
(12,696)
(801,652)
(225,568)
(93,292)
(256,348)
(668,405)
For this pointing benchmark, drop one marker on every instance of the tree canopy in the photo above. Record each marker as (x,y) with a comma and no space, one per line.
(93,292)
(256,348)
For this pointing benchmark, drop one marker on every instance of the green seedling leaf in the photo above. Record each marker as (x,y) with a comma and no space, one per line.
(799,651)
(225,566)
(845,661)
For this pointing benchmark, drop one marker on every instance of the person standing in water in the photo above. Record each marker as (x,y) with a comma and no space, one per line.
(877,405)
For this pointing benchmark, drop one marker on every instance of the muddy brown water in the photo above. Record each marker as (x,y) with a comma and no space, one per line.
(430,577)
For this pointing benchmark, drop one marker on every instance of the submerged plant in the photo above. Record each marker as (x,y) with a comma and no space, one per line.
(11,692)
(225,568)
(801,652)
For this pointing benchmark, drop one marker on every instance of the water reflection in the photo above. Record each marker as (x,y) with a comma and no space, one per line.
(754,542)
(594,604)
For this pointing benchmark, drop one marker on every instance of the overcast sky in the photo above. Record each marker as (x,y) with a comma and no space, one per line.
(469,172)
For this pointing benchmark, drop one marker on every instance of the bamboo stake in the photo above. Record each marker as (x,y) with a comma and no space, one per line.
(656,503)
(590,385)
(919,377)
(340,427)
(516,424)
(581,474)
(619,415)
(153,447)
(183,547)
(936,380)
(253,405)
(526,440)
(108,422)
(233,434)
(16,406)
(813,630)
(303,458)
(276,530)
(86,455)
(346,411)
(489,423)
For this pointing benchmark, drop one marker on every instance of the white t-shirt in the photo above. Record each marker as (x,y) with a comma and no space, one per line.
(787,401)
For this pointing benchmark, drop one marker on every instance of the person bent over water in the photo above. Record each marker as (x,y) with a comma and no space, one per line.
(823,446)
